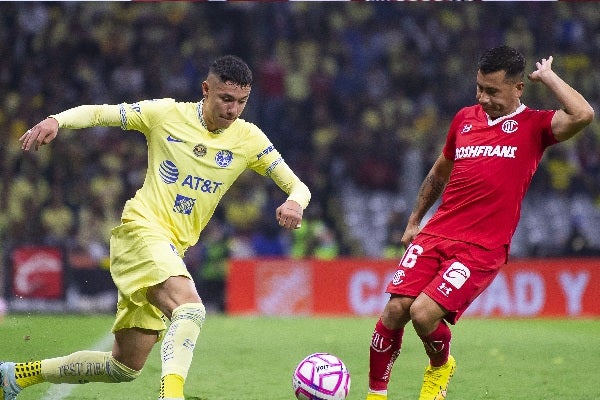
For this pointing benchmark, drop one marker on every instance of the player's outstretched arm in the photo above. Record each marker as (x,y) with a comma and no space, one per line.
(84,116)
(576,114)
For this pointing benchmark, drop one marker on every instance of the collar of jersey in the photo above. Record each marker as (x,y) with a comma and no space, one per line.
(201,118)
(502,118)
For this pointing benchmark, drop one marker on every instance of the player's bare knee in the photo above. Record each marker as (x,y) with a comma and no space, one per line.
(423,320)
(419,317)
(396,312)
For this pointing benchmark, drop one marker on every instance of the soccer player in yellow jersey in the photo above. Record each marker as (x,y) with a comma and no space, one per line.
(196,151)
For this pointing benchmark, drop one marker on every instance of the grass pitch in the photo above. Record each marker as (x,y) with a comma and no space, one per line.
(252,358)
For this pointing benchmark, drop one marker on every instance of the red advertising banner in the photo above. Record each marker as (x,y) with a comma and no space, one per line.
(37,273)
(524,288)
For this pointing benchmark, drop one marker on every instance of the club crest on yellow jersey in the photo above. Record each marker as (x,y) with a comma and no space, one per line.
(200,150)
(224,158)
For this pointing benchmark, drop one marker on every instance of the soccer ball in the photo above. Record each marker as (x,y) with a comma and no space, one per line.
(321,376)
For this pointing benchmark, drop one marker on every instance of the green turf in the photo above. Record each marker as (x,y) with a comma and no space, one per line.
(246,358)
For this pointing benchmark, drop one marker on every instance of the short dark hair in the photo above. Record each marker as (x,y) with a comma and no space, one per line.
(232,68)
(503,58)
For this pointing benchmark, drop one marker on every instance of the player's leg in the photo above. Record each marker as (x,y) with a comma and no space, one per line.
(416,269)
(132,347)
(124,364)
(427,318)
(386,343)
(465,272)
(154,283)
(178,300)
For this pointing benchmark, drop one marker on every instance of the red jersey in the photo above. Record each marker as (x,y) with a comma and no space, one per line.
(494,162)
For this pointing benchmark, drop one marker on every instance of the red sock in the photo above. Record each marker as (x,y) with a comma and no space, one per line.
(437,345)
(385,348)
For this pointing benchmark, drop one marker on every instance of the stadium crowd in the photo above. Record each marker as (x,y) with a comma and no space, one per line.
(356,96)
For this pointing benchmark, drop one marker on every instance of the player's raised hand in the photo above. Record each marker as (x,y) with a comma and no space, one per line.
(42,133)
(544,65)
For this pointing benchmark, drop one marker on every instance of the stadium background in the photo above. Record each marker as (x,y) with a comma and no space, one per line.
(356,96)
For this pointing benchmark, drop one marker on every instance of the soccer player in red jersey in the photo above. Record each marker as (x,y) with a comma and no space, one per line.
(491,152)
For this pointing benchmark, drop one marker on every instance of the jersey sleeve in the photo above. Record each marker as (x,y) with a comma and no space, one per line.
(449,149)
(287,180)
(87,116)
(145,114)
(548,138)
(266,160)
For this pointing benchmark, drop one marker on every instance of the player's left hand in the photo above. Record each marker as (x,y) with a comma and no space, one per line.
(544,65)
(289,215)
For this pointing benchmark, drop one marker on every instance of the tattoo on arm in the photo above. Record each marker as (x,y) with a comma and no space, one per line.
(430,191)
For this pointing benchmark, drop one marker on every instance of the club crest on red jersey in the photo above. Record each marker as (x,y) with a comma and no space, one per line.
(510,126)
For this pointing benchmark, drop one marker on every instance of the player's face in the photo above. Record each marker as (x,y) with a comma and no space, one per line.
(497,95)
(223,102)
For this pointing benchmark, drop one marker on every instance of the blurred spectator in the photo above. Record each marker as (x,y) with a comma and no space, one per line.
(267,240)
(208,262)
(243,204)
(270,87)
(315,239)
(560,169)
(394,249)
(57,219)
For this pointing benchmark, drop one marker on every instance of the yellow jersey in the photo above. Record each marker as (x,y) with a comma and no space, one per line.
(189,168)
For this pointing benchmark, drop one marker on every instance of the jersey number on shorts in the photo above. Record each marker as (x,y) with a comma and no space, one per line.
(410,255)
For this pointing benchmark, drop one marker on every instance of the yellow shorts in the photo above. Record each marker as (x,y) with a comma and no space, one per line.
(141,257)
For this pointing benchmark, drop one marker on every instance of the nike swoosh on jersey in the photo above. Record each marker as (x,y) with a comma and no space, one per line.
(172,139)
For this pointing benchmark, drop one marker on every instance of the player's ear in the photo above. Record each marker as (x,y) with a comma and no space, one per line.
(205,88)
(519,88)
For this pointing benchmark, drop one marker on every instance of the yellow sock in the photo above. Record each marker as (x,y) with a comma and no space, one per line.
(177,348)
(86,366)
(29,373)
(171,386)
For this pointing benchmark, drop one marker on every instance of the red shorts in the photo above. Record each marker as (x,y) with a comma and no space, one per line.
(452,273)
